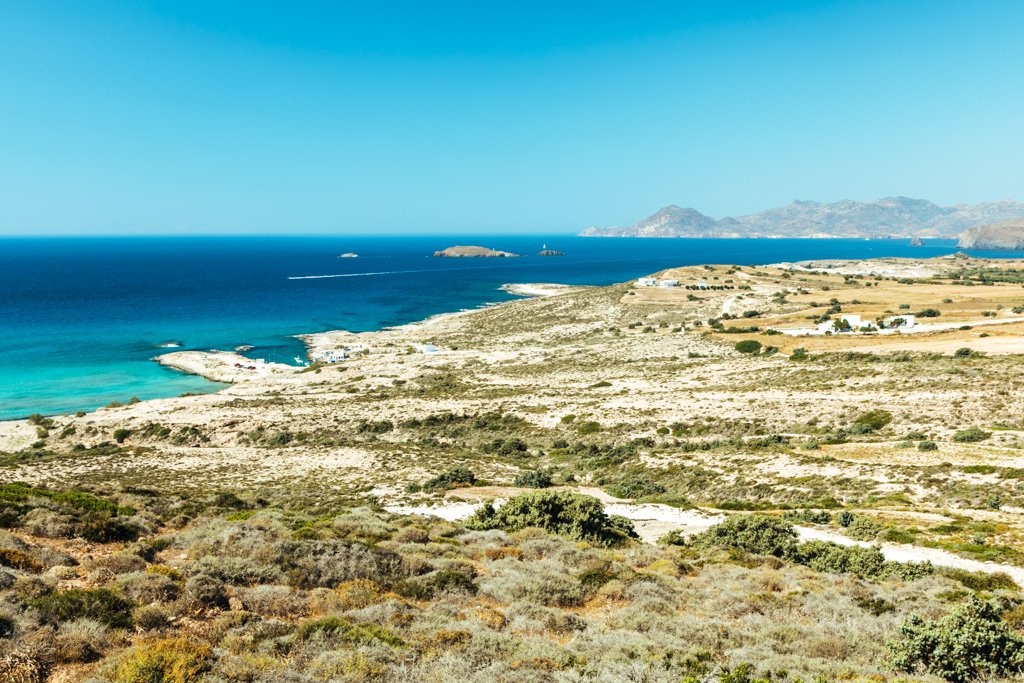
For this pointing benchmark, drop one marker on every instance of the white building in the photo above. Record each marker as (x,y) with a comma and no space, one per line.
(855,322)
(647,282)
(668,283)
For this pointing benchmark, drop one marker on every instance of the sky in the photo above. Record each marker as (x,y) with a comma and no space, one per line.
(489,116)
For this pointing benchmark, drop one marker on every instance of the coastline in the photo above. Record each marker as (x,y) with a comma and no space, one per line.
(223,366)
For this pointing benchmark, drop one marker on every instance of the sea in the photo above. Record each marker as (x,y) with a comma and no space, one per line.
(82,318)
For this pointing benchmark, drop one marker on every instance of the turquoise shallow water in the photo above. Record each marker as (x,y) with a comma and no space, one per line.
(81,318)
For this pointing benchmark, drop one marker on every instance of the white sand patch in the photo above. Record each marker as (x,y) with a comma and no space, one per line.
(537,289)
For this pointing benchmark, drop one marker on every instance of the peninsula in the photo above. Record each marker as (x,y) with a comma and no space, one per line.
(1008,235)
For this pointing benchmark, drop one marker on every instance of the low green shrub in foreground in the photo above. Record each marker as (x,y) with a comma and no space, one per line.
(562,512)
(969,643)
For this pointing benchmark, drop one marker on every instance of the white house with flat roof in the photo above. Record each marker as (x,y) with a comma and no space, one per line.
(647,282)
(668,283)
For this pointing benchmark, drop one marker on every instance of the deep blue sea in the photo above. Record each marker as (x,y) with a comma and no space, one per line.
(80,318)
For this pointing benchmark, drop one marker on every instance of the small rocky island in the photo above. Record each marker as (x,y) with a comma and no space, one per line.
(916,242)
(550,252)
(472,252)
(1008,235)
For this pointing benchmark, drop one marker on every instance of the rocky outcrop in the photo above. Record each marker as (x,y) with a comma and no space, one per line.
(1008,235)
(916,242)
(472,252)
(550,252)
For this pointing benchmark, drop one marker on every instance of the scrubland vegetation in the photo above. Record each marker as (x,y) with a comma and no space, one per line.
(548,587)
(246,535)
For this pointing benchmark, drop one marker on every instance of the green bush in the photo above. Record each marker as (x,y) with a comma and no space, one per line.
(825,556)
(980,581)
(863,529)
(426,587)
(748,346)
(971,435)
(453,478)
(845,518)
(758,534)
(969,643)
(636,487)
(561,512)
(927,445)
(534,479)
(340,629)
(101,604)
(874,420)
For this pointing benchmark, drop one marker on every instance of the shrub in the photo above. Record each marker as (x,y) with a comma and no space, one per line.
(151,618)
(980,581)
(147,587)
(825,556)
(169,660)
(971,435)
(874,420)
(534,479)
(758,534)
(453,478)
(927,445)
(970,642)
(203,590)
(928,313)
(100,604)
(561,512)
(963,352)
(375,427)
(19,559)
(588,427)
(748,346)
(359,593)
(356,634)
(845,518)
(636,487)
(863,529)
(426,587)
(799,354)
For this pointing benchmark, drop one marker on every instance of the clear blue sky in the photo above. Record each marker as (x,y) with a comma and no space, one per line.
(301,117)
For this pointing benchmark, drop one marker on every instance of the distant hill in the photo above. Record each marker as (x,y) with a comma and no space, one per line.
(1004,235)
(886,217)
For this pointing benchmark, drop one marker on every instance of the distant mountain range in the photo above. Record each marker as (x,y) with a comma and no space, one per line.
(887,217)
